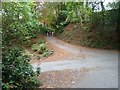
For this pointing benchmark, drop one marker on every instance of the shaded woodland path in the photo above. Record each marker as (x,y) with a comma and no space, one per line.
(86,68)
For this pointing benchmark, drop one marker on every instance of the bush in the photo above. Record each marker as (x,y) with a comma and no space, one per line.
(42,48)
(17,73)
(41,41)
(45,54)
(39,47)
(45,29)
(34,47)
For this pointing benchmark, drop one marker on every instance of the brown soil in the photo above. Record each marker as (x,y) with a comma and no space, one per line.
(64,79)
(56,79)
(71,26)
(58,54)
(99,38)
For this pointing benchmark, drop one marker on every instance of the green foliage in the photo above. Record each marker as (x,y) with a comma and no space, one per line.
(113,5)
(47,13)
(106,18)
(45,54)
(41,48)
(34,47)
(110,17)
(61,14)
(44,29)
(17,73)
(48,29)
(73,11)
(19,21)
(40,41)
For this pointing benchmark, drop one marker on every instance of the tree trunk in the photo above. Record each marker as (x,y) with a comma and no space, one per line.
(102,19)
(102,6)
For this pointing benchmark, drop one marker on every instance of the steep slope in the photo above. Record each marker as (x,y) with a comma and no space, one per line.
(101,37)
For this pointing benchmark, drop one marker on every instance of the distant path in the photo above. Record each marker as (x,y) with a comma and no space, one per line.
(99,69)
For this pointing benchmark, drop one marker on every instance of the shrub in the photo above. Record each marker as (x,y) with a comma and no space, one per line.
(42,48)
(17,73)
(41,41)
(34,47)
(45,54)
(39,47)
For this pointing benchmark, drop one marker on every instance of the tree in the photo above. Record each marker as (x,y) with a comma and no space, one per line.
(18,21)
(118,21)
(47,13)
